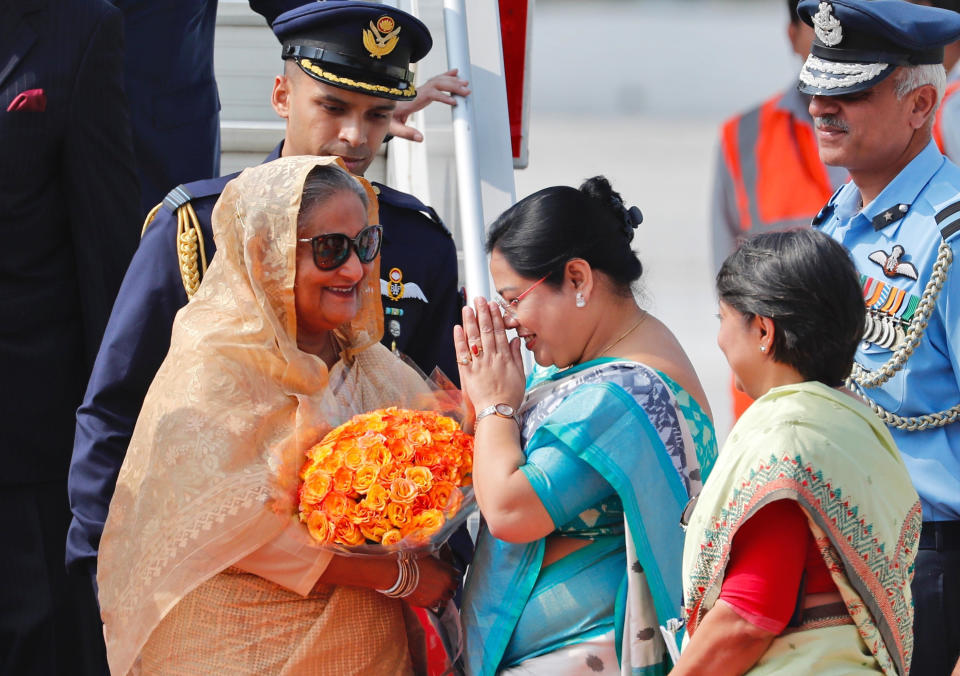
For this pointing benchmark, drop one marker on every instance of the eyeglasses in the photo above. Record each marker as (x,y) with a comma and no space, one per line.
(332,250)
(510,308)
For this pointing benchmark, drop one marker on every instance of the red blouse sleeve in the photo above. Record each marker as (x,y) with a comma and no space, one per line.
(766,565)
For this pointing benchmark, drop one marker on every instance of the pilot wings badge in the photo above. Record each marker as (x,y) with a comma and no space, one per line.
(827,26)
(382,37)
(396,288)
(892,264)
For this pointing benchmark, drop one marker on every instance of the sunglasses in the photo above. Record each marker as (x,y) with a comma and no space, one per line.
(332,250)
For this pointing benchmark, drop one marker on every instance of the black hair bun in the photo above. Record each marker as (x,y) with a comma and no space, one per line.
(599,188)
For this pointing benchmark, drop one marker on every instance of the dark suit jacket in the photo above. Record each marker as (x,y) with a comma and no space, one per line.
(174,104)
(68,218)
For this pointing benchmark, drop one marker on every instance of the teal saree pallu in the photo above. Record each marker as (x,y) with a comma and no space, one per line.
(618,424)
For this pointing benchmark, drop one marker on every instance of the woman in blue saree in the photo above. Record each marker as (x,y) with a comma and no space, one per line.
(580,479)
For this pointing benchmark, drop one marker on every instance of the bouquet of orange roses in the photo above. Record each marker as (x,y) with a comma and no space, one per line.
(392,479)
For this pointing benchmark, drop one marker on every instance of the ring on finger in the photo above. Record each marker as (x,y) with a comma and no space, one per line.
(476,349)
(463,361)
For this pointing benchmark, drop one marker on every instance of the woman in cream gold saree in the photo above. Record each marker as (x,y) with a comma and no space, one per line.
(204,567)
(799,552)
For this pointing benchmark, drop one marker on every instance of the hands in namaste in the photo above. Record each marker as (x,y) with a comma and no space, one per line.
(491,370)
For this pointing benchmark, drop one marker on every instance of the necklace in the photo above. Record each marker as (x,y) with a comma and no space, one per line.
(623,335)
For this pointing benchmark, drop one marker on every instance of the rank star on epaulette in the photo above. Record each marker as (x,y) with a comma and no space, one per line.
(887,217)
(891,263)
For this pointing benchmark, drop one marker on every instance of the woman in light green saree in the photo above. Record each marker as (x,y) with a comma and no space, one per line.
(791,317)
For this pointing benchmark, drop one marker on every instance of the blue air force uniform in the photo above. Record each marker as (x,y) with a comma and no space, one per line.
(895,243)
(421,306)
(904,243)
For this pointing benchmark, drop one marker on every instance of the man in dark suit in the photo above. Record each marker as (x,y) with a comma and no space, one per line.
(169,79)
(68,208)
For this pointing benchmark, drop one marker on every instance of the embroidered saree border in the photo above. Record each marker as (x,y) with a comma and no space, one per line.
(879,580)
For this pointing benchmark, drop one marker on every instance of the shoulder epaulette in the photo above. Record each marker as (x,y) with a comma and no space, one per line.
(890,216)
(827,209)
(191,253)
(948,215)
(403,200)
(177,197)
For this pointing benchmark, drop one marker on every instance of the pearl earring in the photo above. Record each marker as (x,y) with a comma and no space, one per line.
(763,348)
(581,301)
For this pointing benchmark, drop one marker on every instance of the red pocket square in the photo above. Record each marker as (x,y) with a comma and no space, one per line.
(30,101)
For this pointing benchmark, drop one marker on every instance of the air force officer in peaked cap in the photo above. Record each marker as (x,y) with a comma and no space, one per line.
(876,77)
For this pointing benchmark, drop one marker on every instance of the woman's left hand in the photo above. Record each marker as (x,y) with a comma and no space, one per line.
(491,369)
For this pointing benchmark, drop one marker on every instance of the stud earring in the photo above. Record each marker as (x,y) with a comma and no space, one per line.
(581,301)
(763,348)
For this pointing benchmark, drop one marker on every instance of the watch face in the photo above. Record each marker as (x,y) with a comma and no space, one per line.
(505,410)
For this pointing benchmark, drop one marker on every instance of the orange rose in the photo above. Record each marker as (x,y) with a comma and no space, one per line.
(360,515)
(348,533)
(320,527)
(428,455)
(375,530)
(377,425)
(419,436)
(440,494)
(421,476)
(399,514)
(403,490)
(337,504)
(343,480)
(365,477)
(391,470)
(354,456)
(309,467)
(401,451)
(391,537)
(377,499)
(423,525)
(371,439)
(443,472)
(315,487)
(322,451)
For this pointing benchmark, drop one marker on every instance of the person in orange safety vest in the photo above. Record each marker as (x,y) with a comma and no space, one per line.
(769,175)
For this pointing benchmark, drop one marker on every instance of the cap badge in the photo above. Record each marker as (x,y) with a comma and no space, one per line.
(382,37)
(827,26)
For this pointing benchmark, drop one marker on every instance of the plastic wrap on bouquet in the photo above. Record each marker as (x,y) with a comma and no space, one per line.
(390,480)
